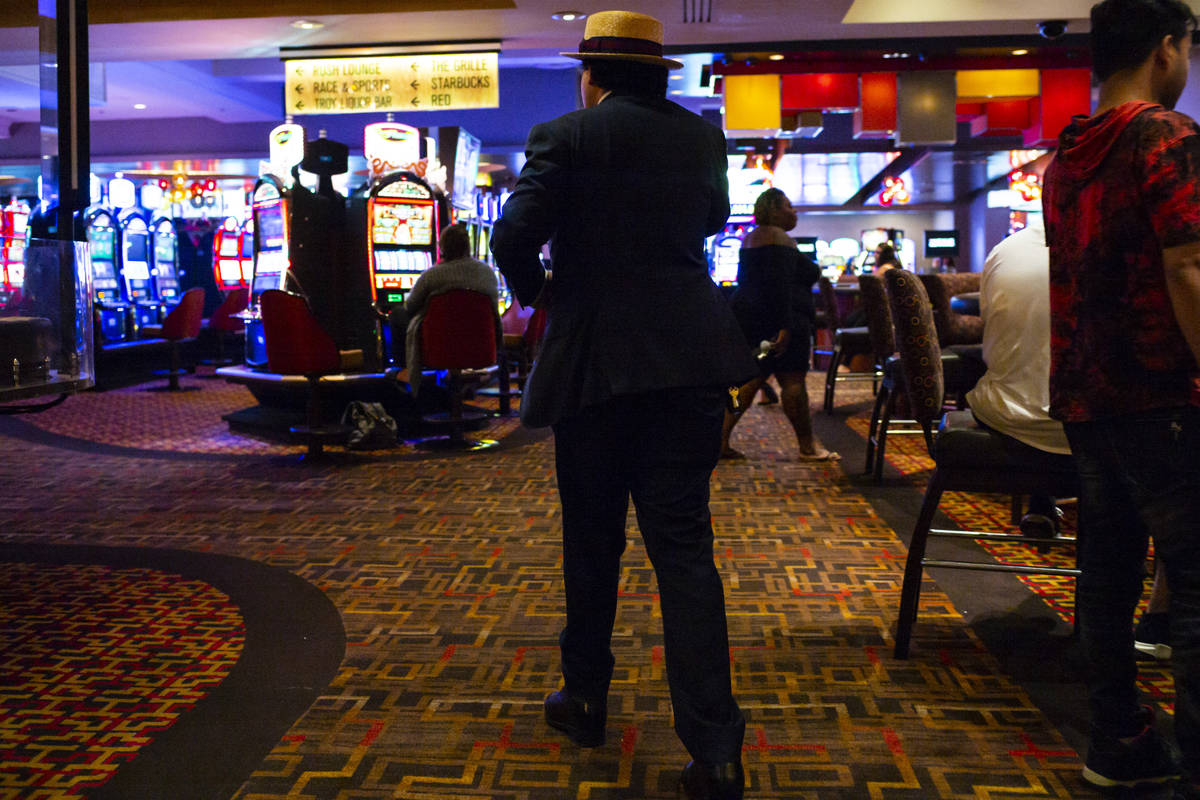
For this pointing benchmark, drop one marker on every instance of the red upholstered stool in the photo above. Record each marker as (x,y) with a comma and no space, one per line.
(226,324)
(181,325)
(459,332)
(298,345)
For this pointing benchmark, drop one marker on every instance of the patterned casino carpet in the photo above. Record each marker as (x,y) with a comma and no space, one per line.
(442,575)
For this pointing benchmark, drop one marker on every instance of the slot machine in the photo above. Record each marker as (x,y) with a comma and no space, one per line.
(227,255)
(247,252)
(166,262)
(270,212)
(100,231)
(403,216)
(133,267)
(14,228)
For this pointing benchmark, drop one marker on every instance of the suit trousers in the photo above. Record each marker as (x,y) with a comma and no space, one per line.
(658,448)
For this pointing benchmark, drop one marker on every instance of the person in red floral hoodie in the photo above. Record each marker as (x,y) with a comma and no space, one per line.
(1122,213)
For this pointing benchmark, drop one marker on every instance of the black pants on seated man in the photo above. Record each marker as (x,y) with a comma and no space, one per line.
(659,449)
(1040,505)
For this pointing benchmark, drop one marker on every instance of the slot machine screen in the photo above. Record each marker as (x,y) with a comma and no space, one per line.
(164,250)
(807,245)
(726,252)
(270,227)
(402,223)
(230,271)
(102,246)
(940,244)
(247,246)
(229,247)
(135,246)
(18,224)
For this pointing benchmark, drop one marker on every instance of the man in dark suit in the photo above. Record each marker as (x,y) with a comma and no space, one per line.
(633,375)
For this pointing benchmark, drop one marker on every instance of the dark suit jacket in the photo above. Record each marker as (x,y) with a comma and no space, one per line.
(626,192)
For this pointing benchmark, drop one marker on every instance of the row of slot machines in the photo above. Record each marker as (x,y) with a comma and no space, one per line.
(14,235)
(135,277)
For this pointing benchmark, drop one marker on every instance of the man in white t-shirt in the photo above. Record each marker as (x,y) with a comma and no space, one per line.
(1013,396)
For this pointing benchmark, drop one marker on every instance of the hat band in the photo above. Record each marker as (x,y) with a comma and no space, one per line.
(621,44)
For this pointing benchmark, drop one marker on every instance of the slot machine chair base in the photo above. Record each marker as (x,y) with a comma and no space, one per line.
(181,326)
(298,345)
(225,324)
(459,334)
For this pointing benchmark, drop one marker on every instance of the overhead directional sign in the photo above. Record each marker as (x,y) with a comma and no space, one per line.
(392,83)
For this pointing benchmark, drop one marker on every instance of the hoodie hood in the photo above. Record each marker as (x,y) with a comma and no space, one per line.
(1084,144)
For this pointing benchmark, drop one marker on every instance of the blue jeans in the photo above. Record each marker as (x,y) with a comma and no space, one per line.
(1140,477)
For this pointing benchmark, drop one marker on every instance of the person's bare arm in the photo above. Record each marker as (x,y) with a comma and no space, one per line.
(1182,267)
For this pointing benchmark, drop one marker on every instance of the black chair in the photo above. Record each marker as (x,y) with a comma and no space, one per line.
(967,457)
(847,343)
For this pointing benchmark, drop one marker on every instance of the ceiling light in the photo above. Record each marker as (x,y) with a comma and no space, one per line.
(675,76)
(1020,52)
(776,57)
(677,91)
(307,24)
(140,106)
(895,55)
(567,16)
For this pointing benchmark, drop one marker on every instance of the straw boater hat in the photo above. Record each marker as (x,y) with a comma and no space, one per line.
(624,36)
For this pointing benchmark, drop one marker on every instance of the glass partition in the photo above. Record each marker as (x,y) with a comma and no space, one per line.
(46,329)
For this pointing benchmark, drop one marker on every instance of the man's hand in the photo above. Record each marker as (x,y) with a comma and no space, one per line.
(780,343)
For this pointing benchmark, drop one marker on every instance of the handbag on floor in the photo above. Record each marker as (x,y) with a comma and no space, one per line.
(371,427)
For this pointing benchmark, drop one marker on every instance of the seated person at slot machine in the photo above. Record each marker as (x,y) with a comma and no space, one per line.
(455,270)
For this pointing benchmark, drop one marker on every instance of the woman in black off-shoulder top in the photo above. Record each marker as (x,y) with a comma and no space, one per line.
(774,305)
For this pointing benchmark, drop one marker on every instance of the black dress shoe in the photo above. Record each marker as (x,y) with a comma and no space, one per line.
(701,781)
(581,720)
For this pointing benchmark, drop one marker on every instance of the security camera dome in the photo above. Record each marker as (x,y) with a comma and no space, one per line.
(1052,28)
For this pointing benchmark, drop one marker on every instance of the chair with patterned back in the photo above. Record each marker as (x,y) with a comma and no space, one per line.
(460,332)
(967,457)
(847,343)
(952,327)
(959,375)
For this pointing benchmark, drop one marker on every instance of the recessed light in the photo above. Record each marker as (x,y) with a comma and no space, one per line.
(140,106)
(776,57)
(567,16)
(1020,52)
(677,91)
(675,76)
(307,24)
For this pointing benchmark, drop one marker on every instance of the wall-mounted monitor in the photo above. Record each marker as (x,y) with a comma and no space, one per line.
(806,245)
(940,244)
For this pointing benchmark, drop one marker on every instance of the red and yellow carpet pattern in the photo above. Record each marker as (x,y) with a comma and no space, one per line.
(94,662)
(445,572)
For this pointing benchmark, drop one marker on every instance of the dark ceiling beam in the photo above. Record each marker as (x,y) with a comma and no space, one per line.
(909,157)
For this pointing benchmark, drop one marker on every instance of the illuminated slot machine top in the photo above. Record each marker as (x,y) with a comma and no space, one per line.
(12,261)
(227,255)
(271,259)
(403,220)
(135,260)
(102,241)
(166,260)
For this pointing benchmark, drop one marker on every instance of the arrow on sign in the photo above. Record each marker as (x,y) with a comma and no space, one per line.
(416,102)
(415,66)
(299,104)
(299,72)
(299,88)
(414,85)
